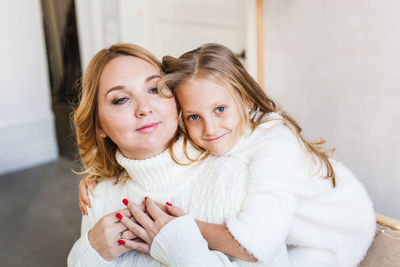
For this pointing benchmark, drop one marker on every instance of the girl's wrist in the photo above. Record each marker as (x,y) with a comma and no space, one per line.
(202,227)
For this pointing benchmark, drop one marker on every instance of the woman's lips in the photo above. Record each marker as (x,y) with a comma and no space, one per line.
(148,128)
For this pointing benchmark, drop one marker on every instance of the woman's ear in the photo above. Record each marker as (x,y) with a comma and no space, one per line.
(250,106)
(102,133)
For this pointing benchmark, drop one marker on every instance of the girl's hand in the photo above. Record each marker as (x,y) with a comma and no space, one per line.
(104,235)
(84,200)
(149,224)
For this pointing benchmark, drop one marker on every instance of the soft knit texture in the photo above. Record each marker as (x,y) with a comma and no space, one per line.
(266,192)
(208,191)
(290,206)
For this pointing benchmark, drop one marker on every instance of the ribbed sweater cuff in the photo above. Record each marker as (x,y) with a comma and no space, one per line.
(83,254)
(176,240)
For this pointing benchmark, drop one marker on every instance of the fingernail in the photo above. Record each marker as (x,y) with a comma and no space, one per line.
(119,215)
(122,242)
(169,204)
(145,198)
(125,201)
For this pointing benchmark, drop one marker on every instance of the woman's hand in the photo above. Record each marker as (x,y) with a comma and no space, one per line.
(84,200)
(148,224)
(105,235)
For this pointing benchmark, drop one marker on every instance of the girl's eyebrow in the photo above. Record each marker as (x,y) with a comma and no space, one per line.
(213,106)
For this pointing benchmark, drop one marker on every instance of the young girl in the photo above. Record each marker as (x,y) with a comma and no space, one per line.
(312,206)
(302,208)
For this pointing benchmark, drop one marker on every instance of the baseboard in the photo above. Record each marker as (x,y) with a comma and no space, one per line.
(26,145)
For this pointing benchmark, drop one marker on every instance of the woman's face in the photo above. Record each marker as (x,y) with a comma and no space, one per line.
(131,112)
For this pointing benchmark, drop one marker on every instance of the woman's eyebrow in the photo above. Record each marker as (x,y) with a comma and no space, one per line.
(152,77)
(118,87)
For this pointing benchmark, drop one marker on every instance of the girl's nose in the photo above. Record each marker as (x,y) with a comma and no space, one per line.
(209,127)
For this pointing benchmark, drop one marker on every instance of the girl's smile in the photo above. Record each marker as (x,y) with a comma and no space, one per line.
(216,138)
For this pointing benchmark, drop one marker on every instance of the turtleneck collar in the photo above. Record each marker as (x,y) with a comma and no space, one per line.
(159,173)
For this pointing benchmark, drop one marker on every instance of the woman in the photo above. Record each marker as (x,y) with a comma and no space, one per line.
(124,126)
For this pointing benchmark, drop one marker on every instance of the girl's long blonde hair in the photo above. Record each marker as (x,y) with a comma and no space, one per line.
(97,153)
(214,61)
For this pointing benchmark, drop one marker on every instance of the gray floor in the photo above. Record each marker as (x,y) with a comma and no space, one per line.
(39,215)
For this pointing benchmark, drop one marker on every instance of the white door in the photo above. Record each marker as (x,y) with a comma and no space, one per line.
(176,26)
(168,27)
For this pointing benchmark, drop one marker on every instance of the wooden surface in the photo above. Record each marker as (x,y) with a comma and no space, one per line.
(388,222)
(260,42)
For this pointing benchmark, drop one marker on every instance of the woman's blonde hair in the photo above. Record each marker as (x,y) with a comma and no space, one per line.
(214,61)
(97,153)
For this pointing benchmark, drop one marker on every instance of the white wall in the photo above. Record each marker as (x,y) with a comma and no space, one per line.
(27,134)
(158,26)
(335,66)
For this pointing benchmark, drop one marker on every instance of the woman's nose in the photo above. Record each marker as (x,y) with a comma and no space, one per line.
(143,110)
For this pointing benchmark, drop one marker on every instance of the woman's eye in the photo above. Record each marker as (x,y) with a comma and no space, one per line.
(220,109)
(193,117)
(154,90)
(120,101)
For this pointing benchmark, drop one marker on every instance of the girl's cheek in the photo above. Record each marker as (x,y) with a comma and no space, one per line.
(192,132)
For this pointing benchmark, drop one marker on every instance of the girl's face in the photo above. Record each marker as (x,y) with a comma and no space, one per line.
(131,112)
(211,115)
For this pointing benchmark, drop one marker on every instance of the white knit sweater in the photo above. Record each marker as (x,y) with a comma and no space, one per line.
(209,191)
(292,216)
(262,190)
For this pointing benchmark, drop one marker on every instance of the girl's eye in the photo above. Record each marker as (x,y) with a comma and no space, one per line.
(154,90)
(120,101)
(220,109)
(193,117)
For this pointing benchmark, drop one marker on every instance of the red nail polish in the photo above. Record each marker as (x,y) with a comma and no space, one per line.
(119,215)
(122,242)
(169,204)
(125,201)
(145,198)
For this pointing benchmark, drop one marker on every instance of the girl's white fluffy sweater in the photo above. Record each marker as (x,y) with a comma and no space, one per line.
(291,215)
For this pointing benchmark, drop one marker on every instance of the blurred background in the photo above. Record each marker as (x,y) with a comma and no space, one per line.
(333,65)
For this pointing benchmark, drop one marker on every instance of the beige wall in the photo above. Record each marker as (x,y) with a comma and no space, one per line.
(335,66)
